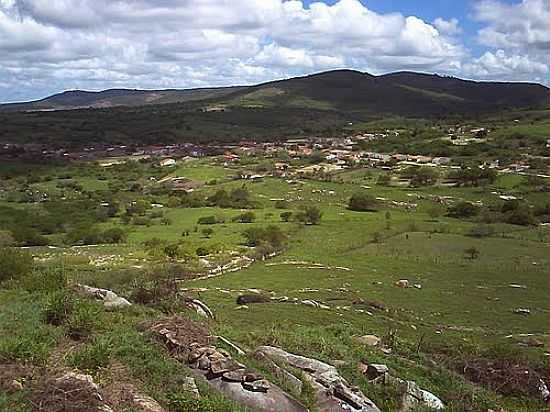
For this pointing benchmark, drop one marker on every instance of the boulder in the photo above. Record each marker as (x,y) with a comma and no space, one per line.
(332,391)
(403,283)
(190,388)
(368,340)
(111,300)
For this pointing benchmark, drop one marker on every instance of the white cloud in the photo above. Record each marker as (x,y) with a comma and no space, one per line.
(448,27)
(500,65)
(519,36)
(50,45)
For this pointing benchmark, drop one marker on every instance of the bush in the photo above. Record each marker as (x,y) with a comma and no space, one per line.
(246,217)
(271,235)
(281,204)
(26,236)
(47,281)
(83,320)
(362,202)
(14,264)
(463,209)
(57,308)
(310,215)
(207,220)
(481,231)
(114,235)
(286,216)
(93,356)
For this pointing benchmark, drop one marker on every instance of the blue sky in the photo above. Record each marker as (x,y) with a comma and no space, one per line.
(47,46)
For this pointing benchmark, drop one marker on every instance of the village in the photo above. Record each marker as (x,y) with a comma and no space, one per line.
(321,154)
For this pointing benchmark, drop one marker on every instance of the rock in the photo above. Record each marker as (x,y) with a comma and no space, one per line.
(111,300)
(257,386)
(190,388)
(314,304)
(522,311)
(375,371)
(544,392)
(332,392)
(413,396)
(16,385)
(146,403)
(368,340)
(291,380)
(534,343)
(403,283)
(234,376)
(221,366)
(252,298)
(201,308)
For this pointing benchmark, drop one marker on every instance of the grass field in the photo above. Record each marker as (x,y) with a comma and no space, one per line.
(457,307)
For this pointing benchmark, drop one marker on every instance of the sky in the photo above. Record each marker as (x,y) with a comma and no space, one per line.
(48,46)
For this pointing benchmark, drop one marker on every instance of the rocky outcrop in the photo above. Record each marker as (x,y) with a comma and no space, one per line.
(332,392)
(111,301)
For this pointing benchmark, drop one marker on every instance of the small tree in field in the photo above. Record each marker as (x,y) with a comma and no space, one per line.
(472,252)
(311,215)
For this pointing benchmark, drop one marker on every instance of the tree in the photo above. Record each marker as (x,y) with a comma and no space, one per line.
(310,215)
(207,220)
(272,235)
(362,202)
(463,209)
(286,216)
(246,217)
(114,235)
(472,252)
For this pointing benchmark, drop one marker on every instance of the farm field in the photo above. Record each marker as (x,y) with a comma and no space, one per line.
(450,297)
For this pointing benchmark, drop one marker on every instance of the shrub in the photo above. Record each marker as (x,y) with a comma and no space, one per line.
(26,236)
(207,220)
(50,280)
(57,308)
(246,217)
(310,215)
(481,231)
(362,202)
(114,235)
(463,209)
(272,235)
(281,204)
(93,356)
(286,216)
(472,252)
(14,264)
(83,320)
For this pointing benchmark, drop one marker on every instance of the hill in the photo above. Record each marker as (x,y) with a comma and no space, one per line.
(404,93)
(79,99)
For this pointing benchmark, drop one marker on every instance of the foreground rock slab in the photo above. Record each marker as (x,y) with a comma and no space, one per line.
(192,343)
(333,393)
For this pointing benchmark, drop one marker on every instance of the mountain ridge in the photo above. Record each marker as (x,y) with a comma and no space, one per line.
(403,93)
